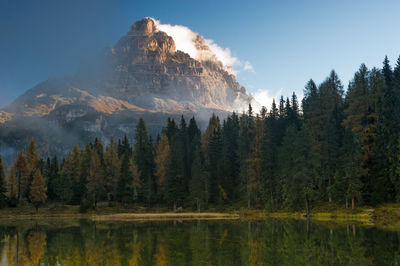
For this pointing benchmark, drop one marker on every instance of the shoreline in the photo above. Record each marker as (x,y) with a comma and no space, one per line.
(388,214)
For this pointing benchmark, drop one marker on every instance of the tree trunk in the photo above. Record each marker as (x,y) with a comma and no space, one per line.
(248,197)
(329,193)
(307,207)
(206,191)
(352,203)
(347,203)
(272,202)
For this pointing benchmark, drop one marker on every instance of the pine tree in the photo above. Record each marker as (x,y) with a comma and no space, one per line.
(175,179)
(3,187)
(310,101)
(217,192)
(246,137)
(361,114)
(22,176)
(37,192)
(199,183)
(298,166)
(80,175)
(394,129)
(12,185)
(271,188)
(96,179)
(183,142)
(353,169)
(254,165)
(124,147)
(112,167)
(294,112)
(194,137)
(124,188)
(162,161)
(143,156)
(136,182)
(64,187)
(32,157)
(229,162)
(171,130)
(323,115)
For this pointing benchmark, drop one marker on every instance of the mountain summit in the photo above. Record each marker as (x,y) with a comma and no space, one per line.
(143,74)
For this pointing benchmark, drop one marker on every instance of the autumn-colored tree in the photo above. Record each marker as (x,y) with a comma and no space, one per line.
(113,169)
(96,179)
(75,162)
(3,188)
(32,157)
(162,161)
(37,191)
(12,184)
(22,176)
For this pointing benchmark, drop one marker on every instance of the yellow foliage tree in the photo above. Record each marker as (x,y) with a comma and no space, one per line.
(37,193)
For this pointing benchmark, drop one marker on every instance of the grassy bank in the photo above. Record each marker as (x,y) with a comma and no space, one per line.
(384,215)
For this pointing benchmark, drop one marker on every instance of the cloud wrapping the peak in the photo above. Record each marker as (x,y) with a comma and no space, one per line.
(185,40)
(264,97)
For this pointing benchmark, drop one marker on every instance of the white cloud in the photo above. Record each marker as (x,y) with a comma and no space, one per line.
(248,66)
(185,41)
(264,97)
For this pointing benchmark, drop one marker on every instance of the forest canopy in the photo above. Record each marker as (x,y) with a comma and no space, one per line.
(333,146)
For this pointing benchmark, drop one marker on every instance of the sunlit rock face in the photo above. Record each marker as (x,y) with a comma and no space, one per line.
(142,75)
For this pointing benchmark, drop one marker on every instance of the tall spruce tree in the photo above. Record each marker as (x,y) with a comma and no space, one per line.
(254,172)
(199,182)
(395,130)
(124,192)
(175,179)
(143,156)
(112,169)
(271,187)
(353,166)
(298,166)
(361,114)
(230,162)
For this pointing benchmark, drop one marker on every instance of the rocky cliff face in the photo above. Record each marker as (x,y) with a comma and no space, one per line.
(142,75)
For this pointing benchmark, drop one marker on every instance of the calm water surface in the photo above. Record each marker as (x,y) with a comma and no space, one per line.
(270,242)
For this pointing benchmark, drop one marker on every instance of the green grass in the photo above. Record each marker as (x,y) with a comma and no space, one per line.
(386,215)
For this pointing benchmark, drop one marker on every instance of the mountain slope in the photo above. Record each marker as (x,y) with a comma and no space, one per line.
(141,75)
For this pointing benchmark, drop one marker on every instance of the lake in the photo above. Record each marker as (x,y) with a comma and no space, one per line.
(230,242)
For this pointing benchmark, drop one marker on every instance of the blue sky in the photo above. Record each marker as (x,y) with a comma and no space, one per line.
(286,42)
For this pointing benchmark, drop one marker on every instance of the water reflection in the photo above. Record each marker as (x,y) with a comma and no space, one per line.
(271,242)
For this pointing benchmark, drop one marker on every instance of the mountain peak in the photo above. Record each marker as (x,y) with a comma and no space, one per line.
(143,75)
(145,26)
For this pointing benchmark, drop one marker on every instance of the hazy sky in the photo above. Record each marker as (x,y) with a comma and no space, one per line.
(286,42)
